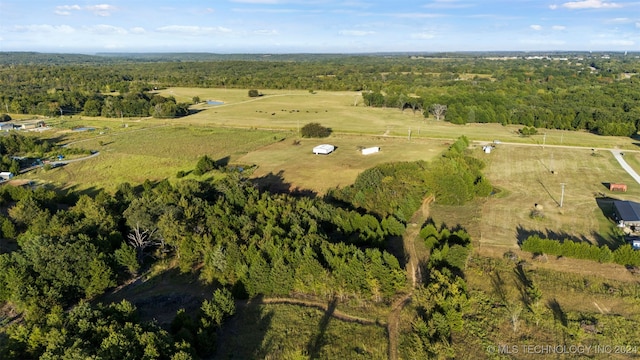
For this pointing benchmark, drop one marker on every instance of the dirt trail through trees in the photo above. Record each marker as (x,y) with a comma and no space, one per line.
(416,255)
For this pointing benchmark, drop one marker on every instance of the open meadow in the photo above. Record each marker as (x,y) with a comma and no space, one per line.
(525,176)
(262,131)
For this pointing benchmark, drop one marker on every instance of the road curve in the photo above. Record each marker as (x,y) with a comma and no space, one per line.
(618,155)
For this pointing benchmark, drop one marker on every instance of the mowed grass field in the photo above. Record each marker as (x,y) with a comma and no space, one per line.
(295,164)
(523,175)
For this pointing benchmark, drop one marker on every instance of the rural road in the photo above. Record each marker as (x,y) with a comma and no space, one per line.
(618,155)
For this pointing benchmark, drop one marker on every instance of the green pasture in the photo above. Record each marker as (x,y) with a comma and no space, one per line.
(269,331)
(345,112)
(137,154)
(520,167)
(291,163)
(523,177)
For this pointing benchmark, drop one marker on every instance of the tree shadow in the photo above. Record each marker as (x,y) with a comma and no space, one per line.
(315,345)
(558,313)
(275,184)
(244,335)
(522,234)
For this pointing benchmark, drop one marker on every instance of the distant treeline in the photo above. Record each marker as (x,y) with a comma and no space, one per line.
(593,93)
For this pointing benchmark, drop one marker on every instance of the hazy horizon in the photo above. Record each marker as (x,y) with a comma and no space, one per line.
(319,26)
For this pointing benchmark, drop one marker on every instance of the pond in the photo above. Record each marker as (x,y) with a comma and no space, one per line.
(214,102)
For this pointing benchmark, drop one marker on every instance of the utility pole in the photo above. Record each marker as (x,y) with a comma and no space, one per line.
(562,196)
(544,140)
(409,134)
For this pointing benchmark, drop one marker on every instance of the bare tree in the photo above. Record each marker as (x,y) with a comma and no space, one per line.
(438,110)
(142,239)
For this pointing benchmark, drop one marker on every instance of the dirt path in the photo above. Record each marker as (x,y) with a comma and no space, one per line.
(416,254)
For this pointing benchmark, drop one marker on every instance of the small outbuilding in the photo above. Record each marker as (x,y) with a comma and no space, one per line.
(324,149)
(6,175)
(487,149)
(370,150)
(617,187)
(627,213)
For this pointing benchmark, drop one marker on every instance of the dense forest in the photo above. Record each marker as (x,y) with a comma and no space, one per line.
(71,249)
(590,92)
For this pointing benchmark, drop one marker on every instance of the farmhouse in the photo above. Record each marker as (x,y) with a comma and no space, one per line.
(627,213)
(324,149)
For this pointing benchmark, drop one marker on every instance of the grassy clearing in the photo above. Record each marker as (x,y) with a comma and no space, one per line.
(154,153)
(524,177)
(345,112)
(297,167)
(295,332)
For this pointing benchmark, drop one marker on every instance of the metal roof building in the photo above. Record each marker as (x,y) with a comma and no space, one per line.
(627,212)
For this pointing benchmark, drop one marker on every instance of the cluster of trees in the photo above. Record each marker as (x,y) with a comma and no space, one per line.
(398,188)
(115,331)
(315,130)
(443,299)
(73,249)
(256,243)
(591,93)
(623,255)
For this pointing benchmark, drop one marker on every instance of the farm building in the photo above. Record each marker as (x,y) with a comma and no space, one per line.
(5,175)
(627,213)
(617,187)
(487,149)
(6,127)
(634,241)
(324,149)
(370,150)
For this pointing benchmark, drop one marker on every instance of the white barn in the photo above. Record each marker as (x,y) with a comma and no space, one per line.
(324,149)
(370,150)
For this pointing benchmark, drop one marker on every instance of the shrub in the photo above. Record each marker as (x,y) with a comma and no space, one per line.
(5,117)
(315,130)
(254,93)
(204,165)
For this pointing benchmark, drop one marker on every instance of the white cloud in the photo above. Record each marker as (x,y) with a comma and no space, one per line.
(101,9)
(591,4)
(107,30)
(553,6)
(138,30)
(416,15)
(620,21)
(447,4)
(638,25)
(355,32)
(65,10)
(45,28)
(558,27)
(536,27)
(193,30)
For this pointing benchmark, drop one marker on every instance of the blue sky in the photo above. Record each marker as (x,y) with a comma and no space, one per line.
(318,26)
